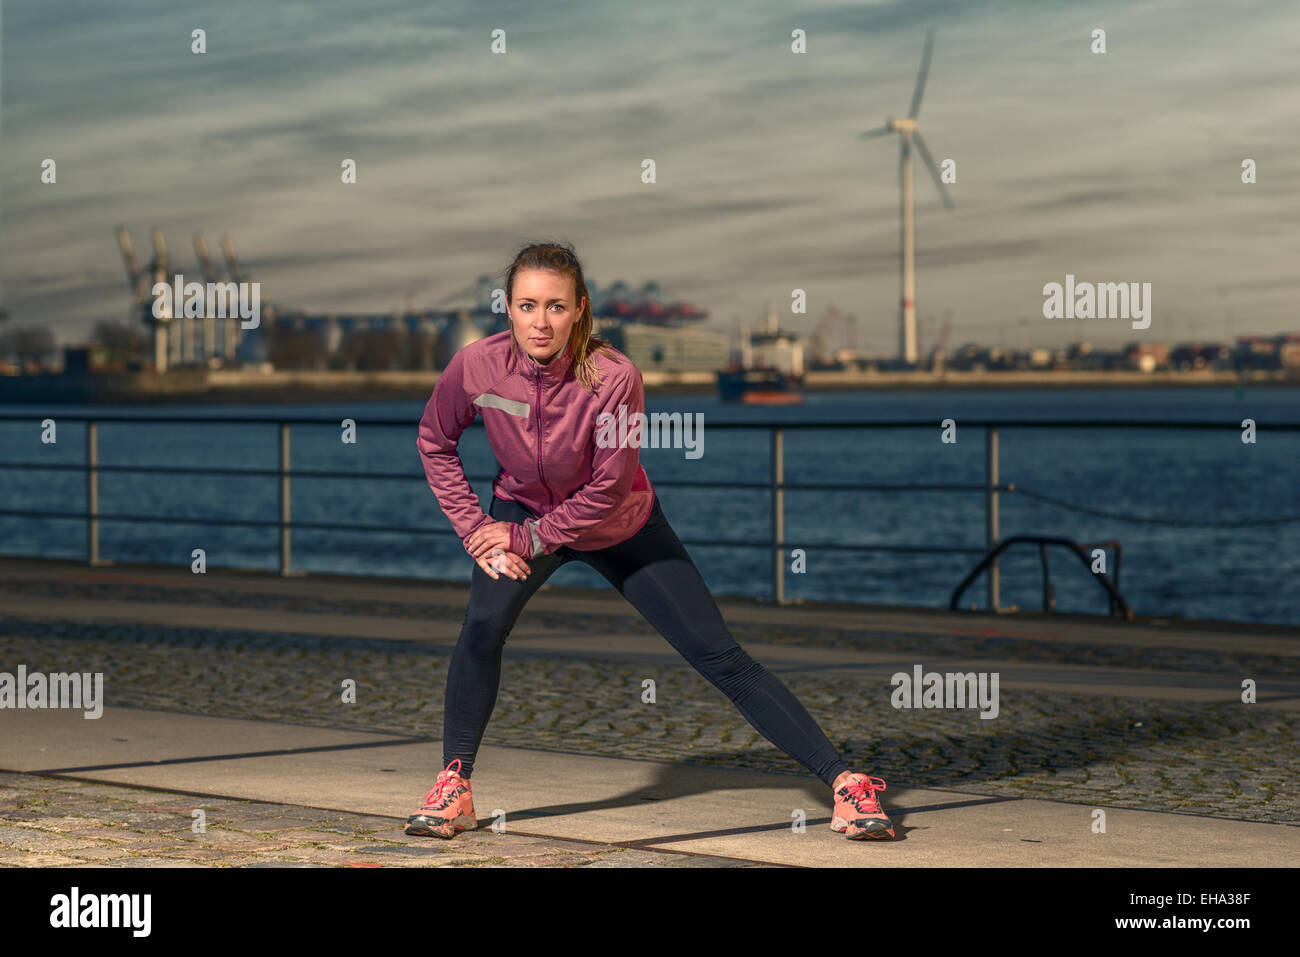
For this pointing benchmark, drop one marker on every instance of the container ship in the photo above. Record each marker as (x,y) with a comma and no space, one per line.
(770,367)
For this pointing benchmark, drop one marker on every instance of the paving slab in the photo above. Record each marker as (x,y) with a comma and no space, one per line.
(49,739)
(646,806)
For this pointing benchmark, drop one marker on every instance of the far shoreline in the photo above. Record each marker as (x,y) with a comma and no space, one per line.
(234,387)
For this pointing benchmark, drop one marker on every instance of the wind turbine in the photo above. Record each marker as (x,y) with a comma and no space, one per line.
(911,133)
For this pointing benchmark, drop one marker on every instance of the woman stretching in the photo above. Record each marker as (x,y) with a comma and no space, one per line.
(559,496)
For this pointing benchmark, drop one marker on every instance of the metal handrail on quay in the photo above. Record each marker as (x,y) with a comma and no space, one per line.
(991,487)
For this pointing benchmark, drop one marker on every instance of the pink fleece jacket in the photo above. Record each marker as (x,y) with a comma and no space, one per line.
(541,424)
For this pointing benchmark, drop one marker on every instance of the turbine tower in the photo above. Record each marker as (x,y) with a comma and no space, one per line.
(911,133)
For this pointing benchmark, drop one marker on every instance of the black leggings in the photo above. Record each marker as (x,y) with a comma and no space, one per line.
(653,572)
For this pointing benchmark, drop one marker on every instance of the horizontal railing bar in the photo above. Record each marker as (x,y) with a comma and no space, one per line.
(833,546)
(325,526)
(230,522)
(194,520)
(207,470)
(875,424)
(417,476)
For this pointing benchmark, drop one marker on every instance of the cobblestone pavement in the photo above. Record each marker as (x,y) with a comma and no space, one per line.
(807,633)
(1223,760)
(47,822)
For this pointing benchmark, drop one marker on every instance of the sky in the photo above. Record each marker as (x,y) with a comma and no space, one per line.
(1115,167)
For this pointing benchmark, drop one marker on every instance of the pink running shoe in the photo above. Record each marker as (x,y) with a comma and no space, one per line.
(857,813)
(448,808)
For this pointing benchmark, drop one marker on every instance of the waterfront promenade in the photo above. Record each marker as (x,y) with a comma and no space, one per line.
(223,694)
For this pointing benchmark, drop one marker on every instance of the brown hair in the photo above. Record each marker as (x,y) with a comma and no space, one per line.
(582,345)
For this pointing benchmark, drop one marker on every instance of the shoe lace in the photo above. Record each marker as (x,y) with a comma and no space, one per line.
(444,791)
(862,793)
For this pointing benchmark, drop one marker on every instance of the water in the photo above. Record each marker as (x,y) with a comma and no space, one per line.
(1242,574)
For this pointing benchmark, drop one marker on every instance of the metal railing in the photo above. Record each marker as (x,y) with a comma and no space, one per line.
(1119,606)
(775,485)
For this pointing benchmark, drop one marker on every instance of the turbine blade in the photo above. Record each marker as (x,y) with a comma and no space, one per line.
(871,134)
(925,72)
(934,168)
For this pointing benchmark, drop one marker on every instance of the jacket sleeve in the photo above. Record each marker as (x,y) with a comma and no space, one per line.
(448,413)
(612,472)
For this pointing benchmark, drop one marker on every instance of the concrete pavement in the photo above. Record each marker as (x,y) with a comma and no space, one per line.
(735,816)
(223,695)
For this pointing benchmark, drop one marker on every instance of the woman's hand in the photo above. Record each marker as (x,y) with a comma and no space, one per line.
(490,536)
(506,561)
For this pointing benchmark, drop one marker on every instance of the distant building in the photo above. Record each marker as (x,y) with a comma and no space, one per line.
(1199,355)
(1289,350)
(84,358)
(1257,352)
(1146,356)
(665,347)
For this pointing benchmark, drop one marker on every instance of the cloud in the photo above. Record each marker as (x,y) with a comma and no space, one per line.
(1130,160)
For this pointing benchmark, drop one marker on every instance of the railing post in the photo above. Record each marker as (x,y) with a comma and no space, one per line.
(778,515)
(991,507)
(92,492)
(284,498)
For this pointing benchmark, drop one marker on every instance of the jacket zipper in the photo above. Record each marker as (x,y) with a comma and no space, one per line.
(541,474)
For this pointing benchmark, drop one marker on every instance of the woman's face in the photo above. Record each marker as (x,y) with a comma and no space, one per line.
(542,311)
